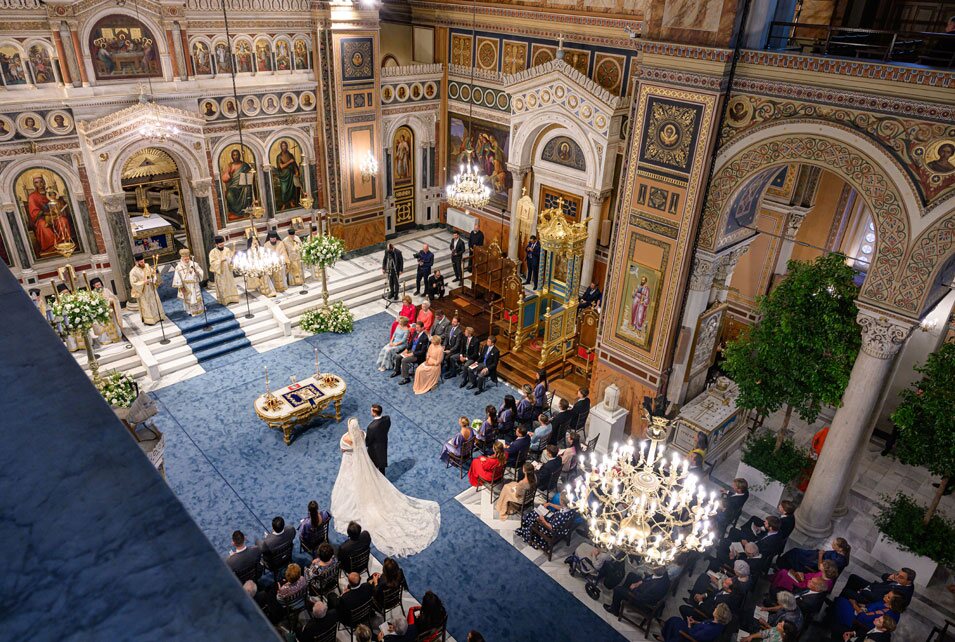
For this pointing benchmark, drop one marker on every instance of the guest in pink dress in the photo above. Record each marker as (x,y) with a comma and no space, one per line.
(794,581)
(426,316)
(427,374)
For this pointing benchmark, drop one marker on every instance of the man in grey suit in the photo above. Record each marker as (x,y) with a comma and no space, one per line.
(376,438)
(440,326)
(280,539)
(244,560)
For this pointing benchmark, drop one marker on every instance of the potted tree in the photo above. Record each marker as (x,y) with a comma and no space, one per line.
(911,534)
(798,355)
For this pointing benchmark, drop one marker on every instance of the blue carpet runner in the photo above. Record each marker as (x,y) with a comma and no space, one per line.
(210,347)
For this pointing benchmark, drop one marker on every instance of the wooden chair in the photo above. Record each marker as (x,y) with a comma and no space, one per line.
(252,572)
(277,560)
(435,634)
(487,444)
(525,505)
(358,563)
(551,537)
(391,599)
(640,616)
(581,359)
(590,445)
(293,605)
(321,587)
(311,546)
(516,467)
(943,634)
(359,615)
(491,485)
(462,461)
(330,635)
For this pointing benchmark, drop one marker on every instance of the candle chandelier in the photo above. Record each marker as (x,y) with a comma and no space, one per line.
(368,167)
(257,261)
(641,502)
(152,124)
(468,189)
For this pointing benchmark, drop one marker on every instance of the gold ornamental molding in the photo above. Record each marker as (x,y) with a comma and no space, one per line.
(559,235)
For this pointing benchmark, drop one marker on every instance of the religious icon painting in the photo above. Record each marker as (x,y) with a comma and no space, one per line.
(307,101)
(228,108)
(300,54)
(638,305)
(223,58)
(12,67)
(47,212)
(251,106)
(263,56)
(42,64)
(7,128)
(489,144)
(59,121)
(940,157)
(416,91)
(285,157)
(401,92)
(243,57)
(283,55)
(31,124)
(270,103)
(402,152)
(387,94)
(237,178)
(202,59)
(209,109)
(122,47)
(430,90)
(290,102)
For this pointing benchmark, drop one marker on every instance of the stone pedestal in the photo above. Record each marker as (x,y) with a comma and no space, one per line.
(487,508)
(607,425)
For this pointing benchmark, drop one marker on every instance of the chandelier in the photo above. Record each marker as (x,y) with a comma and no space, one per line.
(643,502)
(257,261)
(368,167)
(152,124)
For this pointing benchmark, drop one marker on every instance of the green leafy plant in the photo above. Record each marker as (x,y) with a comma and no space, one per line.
(901,520)
(117,388)
(801,351)
(335,318)
(784,463)
(925,419)
(322,251)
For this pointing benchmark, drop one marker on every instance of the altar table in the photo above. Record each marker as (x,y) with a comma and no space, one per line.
(301,402)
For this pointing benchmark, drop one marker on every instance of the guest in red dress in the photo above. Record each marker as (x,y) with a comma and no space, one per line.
(488,468)
(407,311)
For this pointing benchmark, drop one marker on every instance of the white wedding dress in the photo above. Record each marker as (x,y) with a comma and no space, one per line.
(399,525)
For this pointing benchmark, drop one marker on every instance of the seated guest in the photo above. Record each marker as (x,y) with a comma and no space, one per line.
(395,346)
(430,616)
(541,435)
(356,595)
(514,493)
(769,542)
(466,351)
(455,445)
(755,527)
(849,614)
(279,539)
(787,580)
(245,561)
(266,601)
(732,503)
(806,560)
(412,356)
(881,631)
(526,412)
(786,608)
(591,297)
(540,392)
(558,522)
(581,408)
(488,429)
(311,529)
(436,285)
(426,316)
(427,374)
(517,449)
(561,422)
(812,599)
(408,311)
(323,567)
(488,469)
(474,636)
(390,578)
(707,584)
(642,591)
(701,605)
(440,326)
(507,416)
(323,620)
(293,588)
(783,632)
(864,592)
(570,453)
(743,576)
(705,631)
(397,630)
(476,373)
(453,339)
(363,633)
(358,542)
(548,473)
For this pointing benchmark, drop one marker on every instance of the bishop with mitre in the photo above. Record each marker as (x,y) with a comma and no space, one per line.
(142,278)
(186,280)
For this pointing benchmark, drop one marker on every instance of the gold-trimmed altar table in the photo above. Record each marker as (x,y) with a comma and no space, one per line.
(301,402)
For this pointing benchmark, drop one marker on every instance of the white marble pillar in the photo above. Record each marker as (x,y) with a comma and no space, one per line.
(594,203)
(725,272)
(882,337)
(796,216)
(517,174)
(701,282)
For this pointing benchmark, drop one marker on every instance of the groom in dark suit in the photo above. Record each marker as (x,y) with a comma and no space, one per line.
(376,438)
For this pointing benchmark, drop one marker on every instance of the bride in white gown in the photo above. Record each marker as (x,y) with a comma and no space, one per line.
(399,525)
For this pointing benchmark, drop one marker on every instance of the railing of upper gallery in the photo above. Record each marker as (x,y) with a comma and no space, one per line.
(249,5)
(920,47)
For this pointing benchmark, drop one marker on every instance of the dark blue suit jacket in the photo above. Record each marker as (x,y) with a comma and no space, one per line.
(651,590)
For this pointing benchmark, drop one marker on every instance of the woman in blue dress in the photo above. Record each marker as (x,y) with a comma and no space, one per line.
(850,614)
(455,445)
(488,430)
(398,342)
(808,560)
(540,393)
(506,416)
(525,408)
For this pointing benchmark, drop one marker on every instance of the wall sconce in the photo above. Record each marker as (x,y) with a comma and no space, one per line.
(368,167)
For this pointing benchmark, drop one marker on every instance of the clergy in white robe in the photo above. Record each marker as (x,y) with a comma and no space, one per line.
(220,264)
(279,276)
(142,278)
(293,248)
(186,280)
(113,330)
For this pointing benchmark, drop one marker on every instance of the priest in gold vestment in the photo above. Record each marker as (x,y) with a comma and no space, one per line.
(142,278)
(293,248)
(113,330)
(186,280)
(278,277)
(220,264)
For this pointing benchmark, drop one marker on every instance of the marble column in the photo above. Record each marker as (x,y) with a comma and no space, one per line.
(78,51)
(725,273)
(517,174)
(796,216)
(697,298)
(61,59)
(595,201)
(882,337)
(120,252)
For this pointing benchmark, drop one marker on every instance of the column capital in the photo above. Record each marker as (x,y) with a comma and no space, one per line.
(518,171)
(796,216)
(7,207)
(114,202)
(882,336)
(201,186)
(701,274)
(598,197)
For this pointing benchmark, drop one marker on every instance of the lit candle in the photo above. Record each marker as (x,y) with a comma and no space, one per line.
(317,371)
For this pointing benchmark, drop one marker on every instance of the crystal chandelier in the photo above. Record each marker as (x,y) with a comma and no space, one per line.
(368,167)
(644,503)
(152,125)
(257,261)
(468,189)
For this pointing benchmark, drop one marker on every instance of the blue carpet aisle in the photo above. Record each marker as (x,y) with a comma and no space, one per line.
(232,472)
(212,348)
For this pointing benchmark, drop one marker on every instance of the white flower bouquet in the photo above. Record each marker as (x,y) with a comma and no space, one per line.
(82,309)
(118,389)
(335,318)
(322,251)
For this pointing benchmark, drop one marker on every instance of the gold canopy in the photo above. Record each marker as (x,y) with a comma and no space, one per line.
(559,235)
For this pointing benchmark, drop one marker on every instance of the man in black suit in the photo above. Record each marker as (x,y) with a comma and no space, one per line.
(415,354)
(863,592)
(435,286)
(425,261)
(733,501)
(467,352)
(881,631)
(756,526)
(376,438)
(561,422)
(770,541)
(644,592)
(245,561)
(701,605)
(475,239)
(532,256)
(581,408)
(354,597)
(591,297)
(392,265)
(358,541)
(811,600)
(477,372)
(279,540)
(548,473)
(519,446)
(457,256)
(323,619)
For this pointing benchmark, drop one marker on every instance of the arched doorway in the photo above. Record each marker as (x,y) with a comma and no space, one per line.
(403,177)
(154,199)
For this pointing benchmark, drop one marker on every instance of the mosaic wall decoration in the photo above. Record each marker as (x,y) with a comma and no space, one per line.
(578,59)
(513,57)
(670,133)
(487,53)
(479,95)
(541,54)
(123,48)
(36,125)
(745,205)
(564,151)
(357,59)
(461,50)
(608,72)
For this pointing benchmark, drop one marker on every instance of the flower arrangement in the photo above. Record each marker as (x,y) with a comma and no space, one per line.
(82,309)
(322,251)
(334,318)
(118,389)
